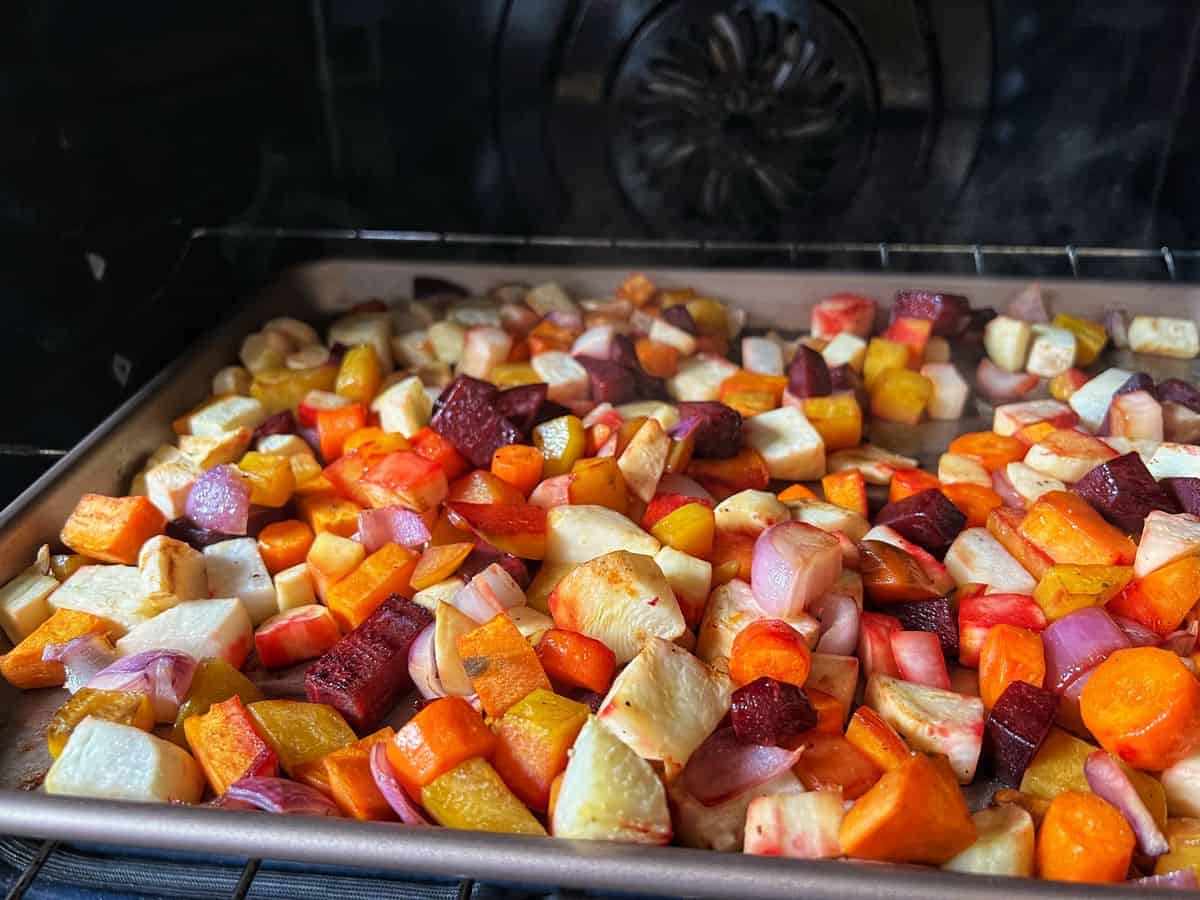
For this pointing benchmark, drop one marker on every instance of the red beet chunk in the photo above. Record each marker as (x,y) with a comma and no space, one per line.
(426,286)
(590,699)
(771,712)
(926,518)
(950,313)
(1186,492)
(366,672)
(808,376)
(937,616)
(624,352)
(1177,391)
(611,382)
(521,405)
(468,419)
(716,427)
(196,536)
(485,554)
(1138,381)
(649,387)
(260,517)
(280,423)
(680,318)
(1018,724)
(1124,492)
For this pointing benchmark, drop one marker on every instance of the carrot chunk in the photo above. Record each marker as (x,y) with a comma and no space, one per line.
(112,529)
(1068,529)
(1009,653)
(770,647)
(284,544)
(442,735)
(906,482)
(1084,838)
(23,665)
(519,465)
(846,489)
(576,660)
(992,451)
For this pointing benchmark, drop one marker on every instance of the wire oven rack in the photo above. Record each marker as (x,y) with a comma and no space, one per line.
(31,869)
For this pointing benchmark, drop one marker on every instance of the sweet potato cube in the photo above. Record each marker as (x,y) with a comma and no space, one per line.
(1066,588)
(532,740)
(1068,529)
(228,746)
(473,796)
(406,479)
(325,511)
(23,665)
(503,668)
(112,529)
(442,735)
(876,739)
(385,572)
(837,419)
(315,774)
(1161,599)
(345,775)
(915,813)
(300,732)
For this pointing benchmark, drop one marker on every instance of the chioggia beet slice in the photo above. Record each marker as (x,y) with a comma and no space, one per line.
(1016,727)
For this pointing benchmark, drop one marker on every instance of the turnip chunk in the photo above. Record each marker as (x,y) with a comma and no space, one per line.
(1182,784)
(1165,538)
(1092,401)
(949,390)
(793,565)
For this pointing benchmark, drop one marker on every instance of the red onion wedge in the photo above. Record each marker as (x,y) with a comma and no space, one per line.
(1180,642)
(1003,486)
(673,483)
(488,594)
(422,665)
(1179,880)
(220,501)
(279,795)
(839,624)
(82,657)
(999,386)
(391,525)
(1139,635)
(389,785)
(163,675)
(1108,780)
(723,767)
(1078,642)
(793,565)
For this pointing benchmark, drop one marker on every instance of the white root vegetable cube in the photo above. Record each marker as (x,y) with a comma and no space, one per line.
(731,607)
(666,414)
(1163,336)
(622,599)
(549,297)
(1006,341)
(699,378)
(829,517)
(931,720)
(531,623)
(23,605)
(565,378)
(110,592)
(442,592)
(721,827)
(609,793)
(1012,417)
(485,348)
(792,449)
(1180,424)
(1165,538)
(232,380)
(414,350)
(1136,415)
(876,463)
(642,462)
(365,328)
(1091,402)
(171,572)
(168,486)
(308,358)
(218,628)
(301,334)
(976,557)
(215,450)
(954,468)
(750,512)
(1175,461)
(226,414)
(294,588)
(845,349)
(404,408)
(665,703)
(236,569)
(1182,785)
(836,676)
(798,826)
(950,391)
(1068,467)
(1144,449)
(690,579)
(1052,351)
(1030,483)
(109,761)
(283,445)
(474,312)
(762,355)
(576,534)
(664,332)
(1004,844)
(264,350)
(448,339)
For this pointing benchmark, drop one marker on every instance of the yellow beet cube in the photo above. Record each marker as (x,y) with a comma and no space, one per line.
(751,403)
(308,475)
(689,530)
(328,512)
(508,375)
(1066,588)
(1090,337)
(270,478)
(280,389)
(882,355)
(562,441)
(360,375)
(300,732)
(473,796)
(598,482)
(901,395)
(711,316)
(121,707)
(1183,841)
(838,419)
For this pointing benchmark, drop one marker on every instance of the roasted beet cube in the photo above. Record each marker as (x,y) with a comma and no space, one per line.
(926,518)
(950,313)
(195,536)
(808,376)
(650,387)
(716,427)
(521,405)
(1186,492)
(260,517)
(938,616)
(624,351)
(1124,492)
(366,672)
(1177,391)
(680,318)
(280,423)
(427,286)
(1138,381)
(551,410)
(468,419)
(1018,724)
(770,712)
(611,382)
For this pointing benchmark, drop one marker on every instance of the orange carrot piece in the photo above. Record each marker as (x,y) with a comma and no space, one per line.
(435,448)
(915,813)
(770,647)
(754,383)
(1084,838)
(314,774)
(974,501)
(1009,653)
(329,512)
(1161,599)
(876,739)
(373,434)
(112,529)
(439,562)
(503,668)
(284,544)
(1035,433)
(576,660)
(906,482)
(351,784)
(1143,705)
(1068,529)
(831,712)
(442,735)
(227,745)
(1004,523)
(23,665)
(992,451)
(656,358)
(796,492)
(846,489)
(385,572)
(481,486)
(337,424)
(519,465)
(742,472)
(829,761)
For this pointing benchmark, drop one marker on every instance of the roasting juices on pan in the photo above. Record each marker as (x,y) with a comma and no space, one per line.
(652,585)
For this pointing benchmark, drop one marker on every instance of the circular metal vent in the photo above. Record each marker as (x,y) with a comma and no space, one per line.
(739,116)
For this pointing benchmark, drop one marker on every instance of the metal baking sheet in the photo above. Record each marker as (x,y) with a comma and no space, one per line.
(106,460)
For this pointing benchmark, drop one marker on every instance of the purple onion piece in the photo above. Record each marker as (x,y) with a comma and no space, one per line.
(1108,781)
(1078,642)
(220,500)
(280,423)
(281,796)
(1179,880)
(1139,635)
(724,767)
(82,657)
(391,525)
(165,676)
